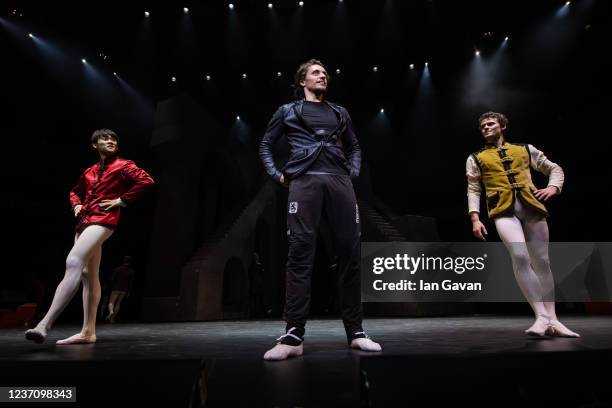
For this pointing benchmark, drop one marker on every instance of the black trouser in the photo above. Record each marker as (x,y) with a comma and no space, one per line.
(309,196)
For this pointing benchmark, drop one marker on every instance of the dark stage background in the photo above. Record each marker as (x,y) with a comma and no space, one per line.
(551,77)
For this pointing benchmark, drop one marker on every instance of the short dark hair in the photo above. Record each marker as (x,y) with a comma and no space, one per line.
(500,117)
(102,132)
(300,75)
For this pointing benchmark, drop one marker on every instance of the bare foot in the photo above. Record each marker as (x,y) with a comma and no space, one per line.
(283,352)
(37,334)
(557,329)
(539,327)
(78,338)
(365,344)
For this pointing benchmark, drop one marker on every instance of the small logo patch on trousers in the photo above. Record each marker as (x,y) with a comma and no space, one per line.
(356,214)
(293,207)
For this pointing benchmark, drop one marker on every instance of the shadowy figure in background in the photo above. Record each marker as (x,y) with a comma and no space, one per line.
(121,284)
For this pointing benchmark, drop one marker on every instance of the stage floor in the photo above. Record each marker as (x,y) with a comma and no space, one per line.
(327,375)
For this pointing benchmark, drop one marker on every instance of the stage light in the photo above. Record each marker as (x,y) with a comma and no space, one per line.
(301,3)
(30,35)
(563,10)
(270,5)
(147,14)
(84,61)
(338,71)
(231,6)
(237,117)
(411,66)
(208,77)
(173,79)
(375,69)
(382,110)
(279,74)
(426,64)
(244,76)
(477,53)
(114,73)
(185,10)
(506,39)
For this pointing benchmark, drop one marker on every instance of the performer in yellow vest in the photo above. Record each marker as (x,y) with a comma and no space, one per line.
(515,205)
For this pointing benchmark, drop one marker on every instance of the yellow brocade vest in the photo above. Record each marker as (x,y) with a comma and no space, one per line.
(506,174)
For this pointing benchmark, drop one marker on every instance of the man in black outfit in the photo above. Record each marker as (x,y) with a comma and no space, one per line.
(324,157)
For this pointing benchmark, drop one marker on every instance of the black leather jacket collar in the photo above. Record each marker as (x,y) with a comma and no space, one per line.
(306,145)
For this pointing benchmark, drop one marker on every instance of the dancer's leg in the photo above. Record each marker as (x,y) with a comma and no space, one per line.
(76,261)
(120,296)
(64,292)
(92,278)
(91,298)
(511,232)
(304,214)
(111,304)
(341,206)
(537,235)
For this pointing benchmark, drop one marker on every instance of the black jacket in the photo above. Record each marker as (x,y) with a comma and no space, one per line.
(306,145)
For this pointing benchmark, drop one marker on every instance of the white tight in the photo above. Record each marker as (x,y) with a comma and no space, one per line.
(530,262)
(82,266)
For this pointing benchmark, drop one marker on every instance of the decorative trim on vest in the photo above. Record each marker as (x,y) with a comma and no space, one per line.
(506,175)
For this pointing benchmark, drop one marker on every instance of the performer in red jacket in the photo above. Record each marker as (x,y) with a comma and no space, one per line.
(96,200)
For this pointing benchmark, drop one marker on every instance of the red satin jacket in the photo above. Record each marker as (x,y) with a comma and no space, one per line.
(107,180)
